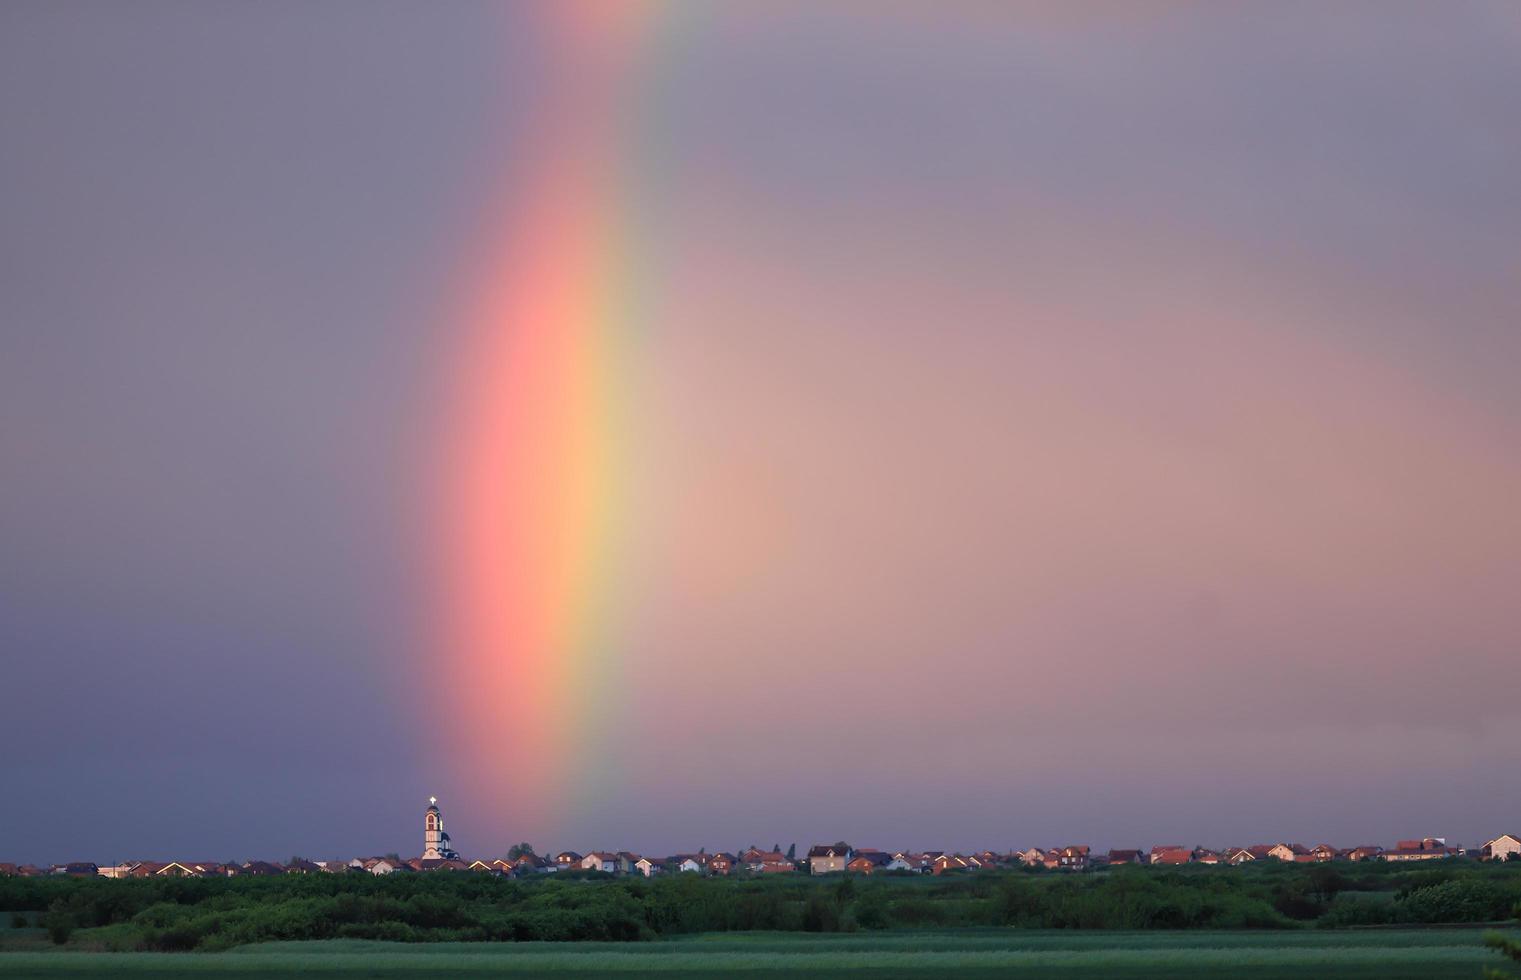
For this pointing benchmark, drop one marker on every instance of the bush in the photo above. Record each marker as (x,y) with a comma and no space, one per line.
(1457,901)
(59,922)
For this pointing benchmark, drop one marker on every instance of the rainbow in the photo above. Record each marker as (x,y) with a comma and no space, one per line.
(538,438)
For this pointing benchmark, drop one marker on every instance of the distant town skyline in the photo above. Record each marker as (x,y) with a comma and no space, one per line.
(438,854)
(683,425)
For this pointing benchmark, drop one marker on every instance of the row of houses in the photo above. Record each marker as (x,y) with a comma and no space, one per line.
(839,857)
(166,869)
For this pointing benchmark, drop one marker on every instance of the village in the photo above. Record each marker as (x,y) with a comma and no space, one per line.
(439,854)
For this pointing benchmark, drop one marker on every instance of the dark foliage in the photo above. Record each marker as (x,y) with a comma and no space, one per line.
(210,914)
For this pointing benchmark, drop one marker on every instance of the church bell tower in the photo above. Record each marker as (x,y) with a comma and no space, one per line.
(436,844)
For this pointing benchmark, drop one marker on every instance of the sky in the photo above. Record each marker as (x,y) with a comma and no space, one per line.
(660,426)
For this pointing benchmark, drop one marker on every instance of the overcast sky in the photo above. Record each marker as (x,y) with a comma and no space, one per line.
(1081,422)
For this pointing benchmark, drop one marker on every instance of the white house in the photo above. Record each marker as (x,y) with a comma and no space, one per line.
(1503,847)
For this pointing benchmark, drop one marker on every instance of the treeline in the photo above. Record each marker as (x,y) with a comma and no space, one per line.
(212,914)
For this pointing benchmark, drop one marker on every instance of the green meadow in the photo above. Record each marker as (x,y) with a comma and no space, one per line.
(1393,953)
(1274,921)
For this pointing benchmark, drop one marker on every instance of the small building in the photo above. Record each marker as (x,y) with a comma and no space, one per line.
(1159,849)
(829,858)
(1502,848)
(533,864)
(648,867)
(1425,849)
(1032,857)
(1074,857)
(868,862)
(566,860)
(175,869)
(600,861)
(1324,852)
(1126,856)
(1365,852)
(1172,855)
(721,863)
(1288,852)
(766,862)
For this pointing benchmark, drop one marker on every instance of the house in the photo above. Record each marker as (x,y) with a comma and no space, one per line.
(943,863)
(648,867)
(1203,855)
(1126,856)
(439,864)
(566,860)
(1365,852)
(691,863)
(479,865)
(1073,857)
(905,861)
(1288,852)
(8,870)
(1502,848)
(1032,857)
(1241,855)
(262,868)
(722,863)
(626,862)
(1151,858)
(80,869)
(384,866)
(143,869)
(766,862)
(529,864)
(600,861)
(826,859)
(868,862)
(1172,855)
(174,869)
(301,866)
(1425,849)
(1324,852)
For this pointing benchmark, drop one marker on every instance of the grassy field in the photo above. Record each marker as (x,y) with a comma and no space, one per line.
(1413,953)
